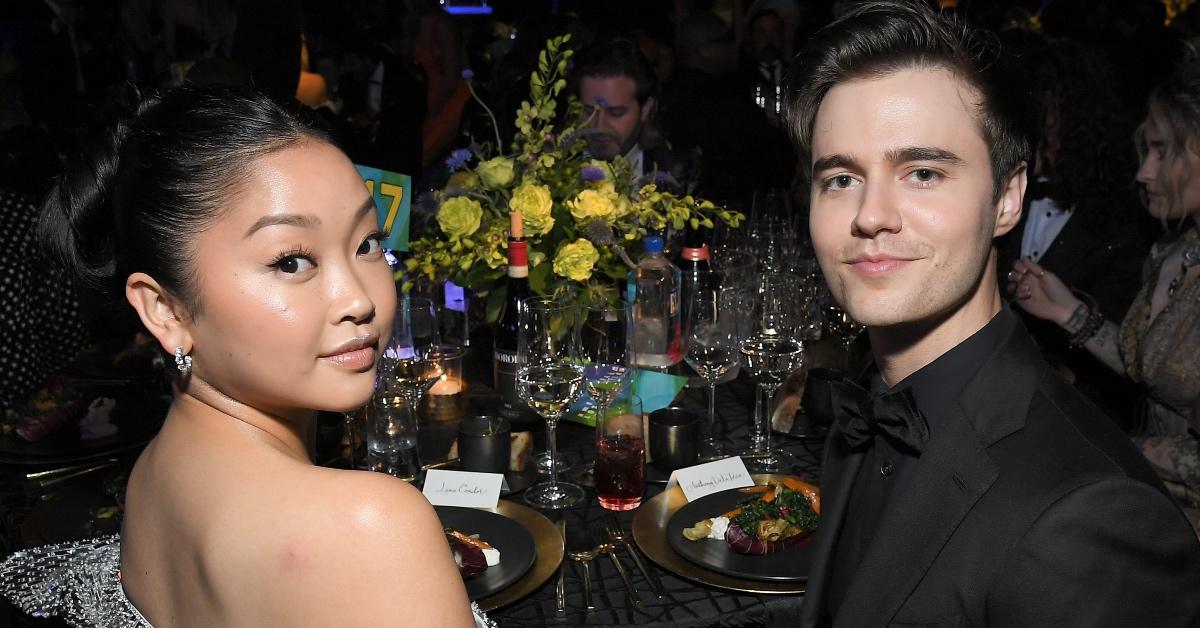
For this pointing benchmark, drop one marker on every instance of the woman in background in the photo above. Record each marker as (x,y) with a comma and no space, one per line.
(1157,343)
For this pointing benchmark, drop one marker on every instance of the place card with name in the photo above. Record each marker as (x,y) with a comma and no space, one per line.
(462,488)
(711,477)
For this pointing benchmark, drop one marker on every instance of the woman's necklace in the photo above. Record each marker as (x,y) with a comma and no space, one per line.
(1190,257)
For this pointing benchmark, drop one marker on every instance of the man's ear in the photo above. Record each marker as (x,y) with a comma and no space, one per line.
(648,108)
(1008,208)
(160,312)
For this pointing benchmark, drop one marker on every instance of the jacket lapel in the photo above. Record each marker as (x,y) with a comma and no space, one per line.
(837,478)
(953,473)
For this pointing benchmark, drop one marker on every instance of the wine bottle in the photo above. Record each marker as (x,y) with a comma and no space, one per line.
(504,348)
(693,266)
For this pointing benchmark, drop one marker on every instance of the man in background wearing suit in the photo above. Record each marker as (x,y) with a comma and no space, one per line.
(964,483)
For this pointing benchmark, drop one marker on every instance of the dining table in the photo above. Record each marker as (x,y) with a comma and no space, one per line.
(685,600)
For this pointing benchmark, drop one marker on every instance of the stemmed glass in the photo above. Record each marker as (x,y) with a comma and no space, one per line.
(769,360)
(712,329)
(410,361)
(770,354)
(844,327)
(549,380)
(606,351)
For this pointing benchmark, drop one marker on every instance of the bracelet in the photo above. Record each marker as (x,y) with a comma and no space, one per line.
(1090,328)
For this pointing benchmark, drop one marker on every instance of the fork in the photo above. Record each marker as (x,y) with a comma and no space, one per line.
(618,537)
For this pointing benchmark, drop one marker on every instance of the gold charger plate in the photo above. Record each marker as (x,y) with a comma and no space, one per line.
(548,546)
(649,531)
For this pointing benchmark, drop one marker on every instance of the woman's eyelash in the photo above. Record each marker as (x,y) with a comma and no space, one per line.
(298,251)
(378,234)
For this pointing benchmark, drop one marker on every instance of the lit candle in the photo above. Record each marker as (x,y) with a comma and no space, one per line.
(446,386)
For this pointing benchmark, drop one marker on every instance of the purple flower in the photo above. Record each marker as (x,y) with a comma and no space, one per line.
(458,159)
(468,74)
(592,173)
(601,102)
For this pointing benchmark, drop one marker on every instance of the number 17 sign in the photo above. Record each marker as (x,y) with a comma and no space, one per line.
(392,194)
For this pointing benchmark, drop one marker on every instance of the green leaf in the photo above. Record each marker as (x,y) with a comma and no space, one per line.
(495,301)
(538,275)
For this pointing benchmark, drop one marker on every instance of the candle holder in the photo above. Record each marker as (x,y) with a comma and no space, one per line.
(446,399)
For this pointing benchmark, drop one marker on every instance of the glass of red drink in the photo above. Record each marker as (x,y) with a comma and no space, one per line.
(620,469)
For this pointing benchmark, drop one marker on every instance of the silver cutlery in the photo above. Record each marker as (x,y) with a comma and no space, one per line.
(618,537)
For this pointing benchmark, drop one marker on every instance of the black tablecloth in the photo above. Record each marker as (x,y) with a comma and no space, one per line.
(685,604)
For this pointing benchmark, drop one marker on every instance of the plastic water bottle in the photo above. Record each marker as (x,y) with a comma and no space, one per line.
(655,293)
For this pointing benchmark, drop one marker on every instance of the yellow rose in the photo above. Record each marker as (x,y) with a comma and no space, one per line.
(594,204)
(459,216)
(534,203)
(496,172)
(575,261)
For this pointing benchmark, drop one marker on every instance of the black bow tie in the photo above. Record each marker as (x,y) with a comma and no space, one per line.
(861,414)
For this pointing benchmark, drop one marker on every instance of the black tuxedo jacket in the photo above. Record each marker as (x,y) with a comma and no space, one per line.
(1025,509)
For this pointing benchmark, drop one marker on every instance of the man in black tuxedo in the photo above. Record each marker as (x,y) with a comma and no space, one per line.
(969,485)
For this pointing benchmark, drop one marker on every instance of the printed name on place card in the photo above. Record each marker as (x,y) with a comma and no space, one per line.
(711,477)
(462,488)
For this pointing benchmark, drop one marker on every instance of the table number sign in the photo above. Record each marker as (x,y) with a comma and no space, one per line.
(462,488)
(711,477)
(393,200)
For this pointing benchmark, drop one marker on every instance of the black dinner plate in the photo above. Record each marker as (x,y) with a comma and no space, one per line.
(517,551)
(790,565)
(138,415)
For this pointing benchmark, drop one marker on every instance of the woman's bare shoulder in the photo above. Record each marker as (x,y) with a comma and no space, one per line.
(376,536)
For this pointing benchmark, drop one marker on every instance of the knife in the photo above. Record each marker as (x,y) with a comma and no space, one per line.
(560,592)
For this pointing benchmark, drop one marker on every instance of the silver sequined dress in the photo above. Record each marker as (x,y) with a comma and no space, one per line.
(80,582)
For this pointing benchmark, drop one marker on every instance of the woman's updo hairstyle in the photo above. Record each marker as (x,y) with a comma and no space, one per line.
(135,200)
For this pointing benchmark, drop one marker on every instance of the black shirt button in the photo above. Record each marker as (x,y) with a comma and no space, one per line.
(886,468)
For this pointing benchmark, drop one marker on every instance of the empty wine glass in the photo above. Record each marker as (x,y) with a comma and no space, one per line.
(769,360)
(606,351)
(549,380)
(410,365)
(712,334)
(845,328)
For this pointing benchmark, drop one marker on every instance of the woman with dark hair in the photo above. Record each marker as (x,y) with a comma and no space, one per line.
(247,244)
(1157,343)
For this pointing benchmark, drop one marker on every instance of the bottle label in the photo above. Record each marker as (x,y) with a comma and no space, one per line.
(505,365)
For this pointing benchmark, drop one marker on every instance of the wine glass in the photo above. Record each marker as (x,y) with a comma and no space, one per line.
(606,352)
(769,360)
(712,333)
(844,327)
(549,380)
(779,304)
(410,362)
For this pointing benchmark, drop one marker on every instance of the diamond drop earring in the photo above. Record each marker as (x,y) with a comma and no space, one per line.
(182,362)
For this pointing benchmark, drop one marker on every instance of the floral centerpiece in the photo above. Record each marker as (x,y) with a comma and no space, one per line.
(580,215)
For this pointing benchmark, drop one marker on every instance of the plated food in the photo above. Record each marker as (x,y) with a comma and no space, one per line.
(473,554)
(781,515)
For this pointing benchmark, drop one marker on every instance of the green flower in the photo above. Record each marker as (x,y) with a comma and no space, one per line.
(534,203)
(459,216)
(496,173)
(575,261)
(595,204)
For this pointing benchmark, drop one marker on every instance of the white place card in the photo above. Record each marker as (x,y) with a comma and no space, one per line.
(711,477)
(462,488)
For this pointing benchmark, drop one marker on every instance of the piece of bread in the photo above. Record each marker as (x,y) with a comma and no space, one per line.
(522,449)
